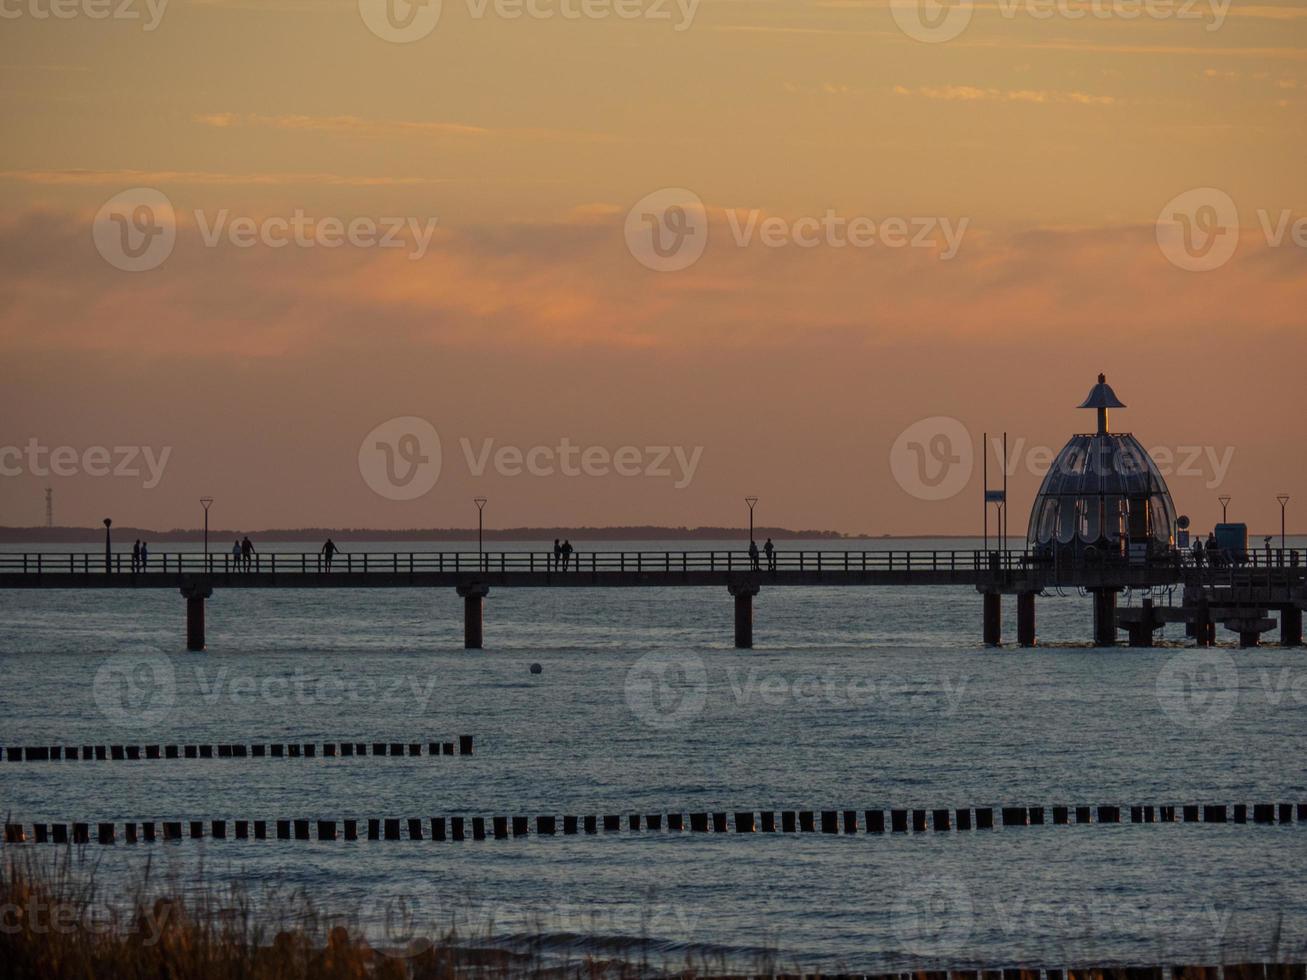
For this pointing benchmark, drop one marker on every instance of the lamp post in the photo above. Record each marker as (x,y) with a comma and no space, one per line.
(751,501)
(107,559)
(206,503)
(1225,502)
(1283,499)
(481,507)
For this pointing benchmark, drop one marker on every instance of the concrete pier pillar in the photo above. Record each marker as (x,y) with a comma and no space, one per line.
(1291,626)
(1141,630)
(1204,630)
(992,626)
(473,596)
(1249,638)
(195,596)
(1026,619)
(744,594)
(1104,617)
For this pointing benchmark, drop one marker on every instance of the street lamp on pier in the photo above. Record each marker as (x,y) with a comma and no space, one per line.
(107,557)
(751,501)
(1283,499)
(481,507)
(1225,502)
(206,503)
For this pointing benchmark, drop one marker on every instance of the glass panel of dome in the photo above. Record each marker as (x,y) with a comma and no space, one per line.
(1092,521)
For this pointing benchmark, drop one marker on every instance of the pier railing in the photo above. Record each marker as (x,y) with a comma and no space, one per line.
(580,562)
(639,562)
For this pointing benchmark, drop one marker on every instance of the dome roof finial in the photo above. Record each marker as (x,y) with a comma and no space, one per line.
(1102,397)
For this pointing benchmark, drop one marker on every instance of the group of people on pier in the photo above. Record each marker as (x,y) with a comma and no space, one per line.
(769,550)
(562,556)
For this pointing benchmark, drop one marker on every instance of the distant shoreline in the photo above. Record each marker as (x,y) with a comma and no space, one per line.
(95,535)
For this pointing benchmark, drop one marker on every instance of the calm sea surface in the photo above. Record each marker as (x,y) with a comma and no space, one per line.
(854,698)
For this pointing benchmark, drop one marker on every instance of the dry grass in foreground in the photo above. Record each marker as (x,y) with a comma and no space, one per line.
(55,923)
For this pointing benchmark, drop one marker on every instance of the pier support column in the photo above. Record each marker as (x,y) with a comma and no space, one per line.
(992,627)
(195,596)
(473,596)
(1104,617)
(1026,619)
(1204,629)
(743,594)
(1141,630)
(1291,626)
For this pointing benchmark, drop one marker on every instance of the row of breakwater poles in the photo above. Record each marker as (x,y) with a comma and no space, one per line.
(502,827)
(1140,622)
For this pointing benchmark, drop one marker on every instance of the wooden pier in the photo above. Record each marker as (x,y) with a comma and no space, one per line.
(1239,595)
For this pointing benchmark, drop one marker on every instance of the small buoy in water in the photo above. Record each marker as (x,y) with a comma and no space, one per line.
(536,669)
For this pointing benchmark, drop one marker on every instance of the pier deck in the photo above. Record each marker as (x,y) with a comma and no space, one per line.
(1229,592)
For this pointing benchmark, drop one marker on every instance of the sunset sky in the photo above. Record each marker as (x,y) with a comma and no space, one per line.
(1056,142)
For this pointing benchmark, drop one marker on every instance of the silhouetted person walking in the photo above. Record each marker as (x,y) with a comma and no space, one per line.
(567,554)
(136,555)
(770,550)
(558,555)
(753,556)
(235,556)
(247,551)
(145,555)
(329,552)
